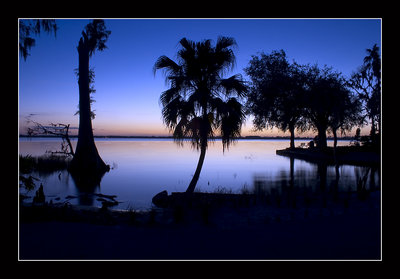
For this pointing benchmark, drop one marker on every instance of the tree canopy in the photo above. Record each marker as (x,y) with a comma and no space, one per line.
(276,92)
(288,96)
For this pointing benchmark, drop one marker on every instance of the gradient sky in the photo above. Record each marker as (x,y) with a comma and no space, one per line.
(127,92)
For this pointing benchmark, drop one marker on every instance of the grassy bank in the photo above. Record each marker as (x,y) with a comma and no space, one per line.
(47,163)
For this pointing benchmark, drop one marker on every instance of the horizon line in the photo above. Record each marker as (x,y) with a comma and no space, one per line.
(171,137)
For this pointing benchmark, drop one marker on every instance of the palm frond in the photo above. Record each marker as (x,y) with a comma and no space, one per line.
(96,36)
(197,103)
(225,42)
(234,84)
(167,96)
(231,122)
(180,131)
(168,65)
(171,112)
(187,53)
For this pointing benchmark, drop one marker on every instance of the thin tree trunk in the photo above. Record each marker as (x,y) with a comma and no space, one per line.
(321,138)
(71,149)
(196,175)
(372,133)
(334,144)
(291,128)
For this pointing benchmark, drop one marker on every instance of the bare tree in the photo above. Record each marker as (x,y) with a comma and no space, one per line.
(55,129)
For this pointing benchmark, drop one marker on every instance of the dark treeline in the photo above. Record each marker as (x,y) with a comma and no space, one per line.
(291,96)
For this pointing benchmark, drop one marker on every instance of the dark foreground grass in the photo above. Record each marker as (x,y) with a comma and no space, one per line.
(207,230)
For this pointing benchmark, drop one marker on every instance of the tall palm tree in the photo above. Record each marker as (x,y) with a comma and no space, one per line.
(373,61)
(86,158)
(201,103)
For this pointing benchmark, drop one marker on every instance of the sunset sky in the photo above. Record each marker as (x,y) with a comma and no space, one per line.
(127,92)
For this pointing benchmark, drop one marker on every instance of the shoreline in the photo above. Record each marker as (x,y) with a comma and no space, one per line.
(346,155)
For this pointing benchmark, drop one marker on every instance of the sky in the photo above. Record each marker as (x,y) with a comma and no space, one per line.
(127,91)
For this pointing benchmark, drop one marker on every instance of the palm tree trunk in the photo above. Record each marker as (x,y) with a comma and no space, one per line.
(86,158)
(196,175)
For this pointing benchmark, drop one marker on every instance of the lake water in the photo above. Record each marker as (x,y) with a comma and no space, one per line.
(141,168)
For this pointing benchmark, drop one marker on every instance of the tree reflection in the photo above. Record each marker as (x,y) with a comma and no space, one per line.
(87,185)
(318,180)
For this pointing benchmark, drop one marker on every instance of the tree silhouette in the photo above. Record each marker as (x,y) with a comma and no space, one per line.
(276,93)
(87,159)
(55,129)
(27,28)
(345,113)
(199,102)
(366,82)
(328,102)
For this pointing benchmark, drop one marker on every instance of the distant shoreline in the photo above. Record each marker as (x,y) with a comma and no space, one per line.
(170,137)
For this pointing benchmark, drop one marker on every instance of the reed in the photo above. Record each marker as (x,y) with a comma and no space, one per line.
(43,164)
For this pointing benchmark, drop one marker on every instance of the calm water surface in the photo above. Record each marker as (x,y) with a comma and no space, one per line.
(142,168)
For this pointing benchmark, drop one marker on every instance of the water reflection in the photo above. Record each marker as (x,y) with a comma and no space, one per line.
(147,167)
(86,186)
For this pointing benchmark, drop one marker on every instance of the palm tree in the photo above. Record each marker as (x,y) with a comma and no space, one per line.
(373,61)
(200,102)
(87,158)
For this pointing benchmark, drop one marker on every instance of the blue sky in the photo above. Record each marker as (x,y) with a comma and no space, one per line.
(127,92)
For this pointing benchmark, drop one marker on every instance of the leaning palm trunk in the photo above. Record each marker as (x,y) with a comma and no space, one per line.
(196,175)
(87,159)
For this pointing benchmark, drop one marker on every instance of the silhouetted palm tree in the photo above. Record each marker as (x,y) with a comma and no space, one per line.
(373,61)
(200,101)
(366,82)
(87,158)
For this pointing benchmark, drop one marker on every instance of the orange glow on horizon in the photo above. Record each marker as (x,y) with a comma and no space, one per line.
(160,130)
